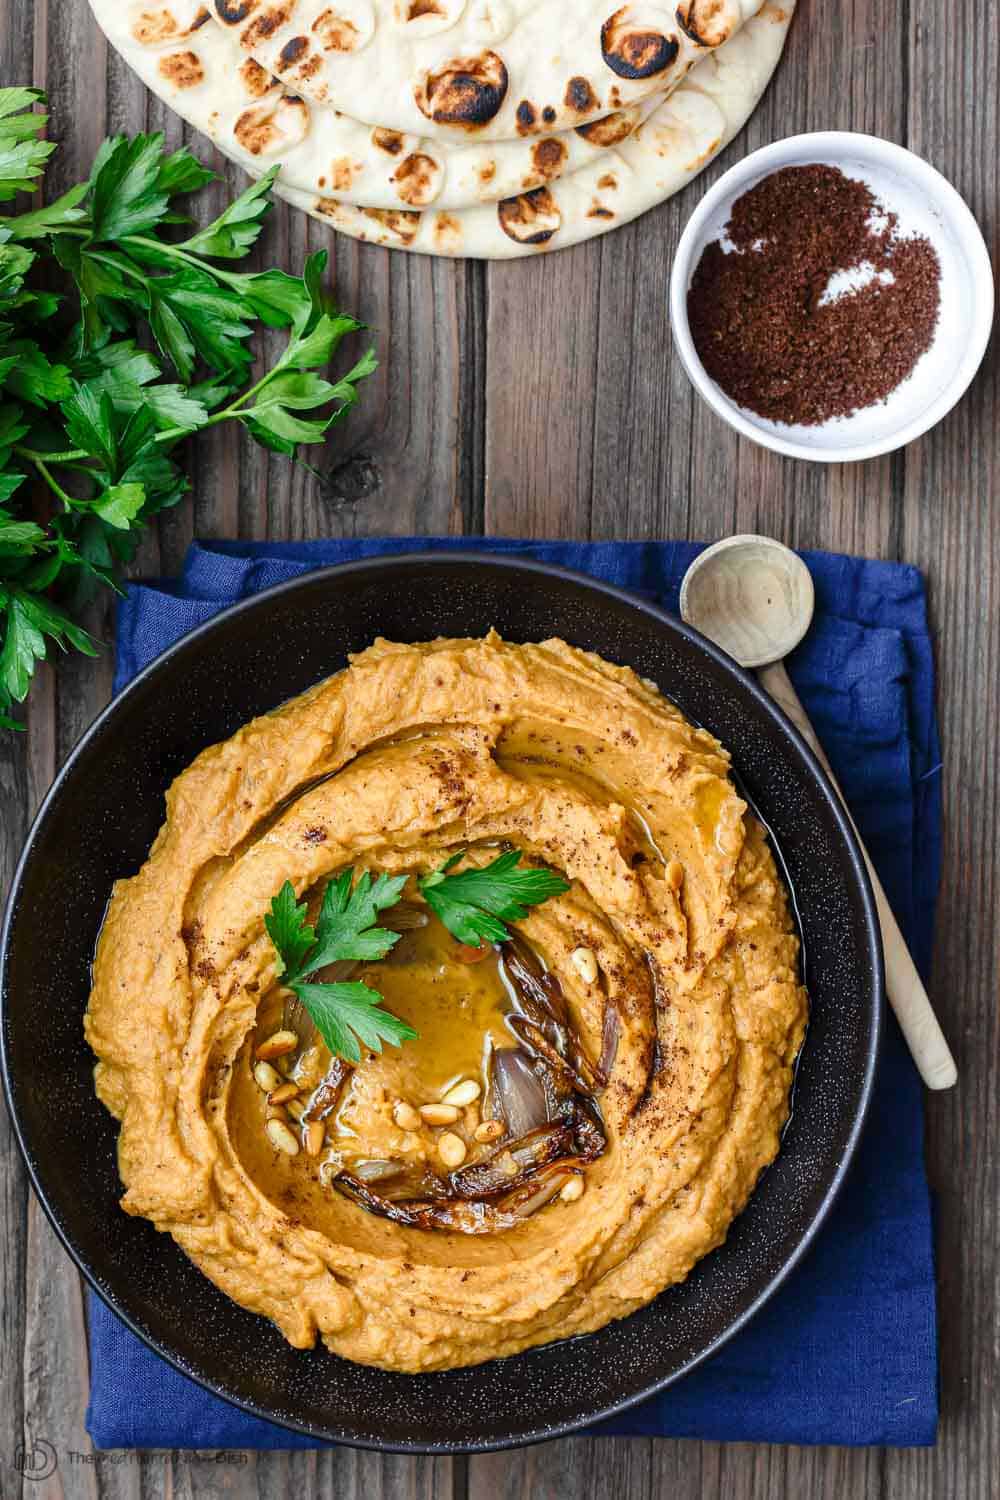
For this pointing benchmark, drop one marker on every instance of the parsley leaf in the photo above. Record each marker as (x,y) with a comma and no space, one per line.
(235,231)
(126,195)
(120,504)
(345,1012)
(346,926)
(22,155)
(30,623)
(471,903)
(289,931)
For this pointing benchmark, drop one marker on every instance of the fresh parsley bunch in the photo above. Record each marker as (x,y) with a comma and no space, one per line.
(119,338)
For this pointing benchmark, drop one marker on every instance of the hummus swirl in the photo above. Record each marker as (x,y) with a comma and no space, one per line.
(410,754)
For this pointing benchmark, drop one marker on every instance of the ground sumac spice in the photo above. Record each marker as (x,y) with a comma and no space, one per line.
(814,306)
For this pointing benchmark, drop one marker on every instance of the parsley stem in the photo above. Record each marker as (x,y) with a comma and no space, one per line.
(228,413)
(68,456)
(52,483)
(233,279)
(120,265)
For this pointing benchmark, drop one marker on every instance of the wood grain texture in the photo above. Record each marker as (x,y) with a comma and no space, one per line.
(543,399)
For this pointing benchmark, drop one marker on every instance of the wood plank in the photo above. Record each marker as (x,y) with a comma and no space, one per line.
(621,1468)
(950,526)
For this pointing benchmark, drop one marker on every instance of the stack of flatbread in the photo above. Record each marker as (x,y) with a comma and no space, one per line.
(487,128)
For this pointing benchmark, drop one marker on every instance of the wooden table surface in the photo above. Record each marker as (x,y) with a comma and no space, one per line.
(543,399)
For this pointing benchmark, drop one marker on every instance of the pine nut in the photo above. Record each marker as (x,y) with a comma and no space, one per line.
(296,1108)
(278,1045)
(282,1094)
(451,1149)
(281,1137)
(572,1191)
(266,1077)
(315,1136)
(438,1114)
(406,1116)
(489,1130)
(466,1092)
(585,963)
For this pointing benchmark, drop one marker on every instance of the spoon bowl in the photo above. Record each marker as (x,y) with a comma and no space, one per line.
(751,596)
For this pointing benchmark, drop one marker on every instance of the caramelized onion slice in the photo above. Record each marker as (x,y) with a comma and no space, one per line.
(538,990)
(327,1095)
(467,1217)
(536,1041)
(544,1004)
(589,1137)
(296,1018)
(516,1094)
(492,1175)
(405,916)
(377,1171)
(610,1035)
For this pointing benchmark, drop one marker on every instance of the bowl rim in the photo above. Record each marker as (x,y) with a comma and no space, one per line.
(907,164)
(505,562)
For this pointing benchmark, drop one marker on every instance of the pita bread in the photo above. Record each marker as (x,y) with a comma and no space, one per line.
(199,70)
(479,69)
(677,142)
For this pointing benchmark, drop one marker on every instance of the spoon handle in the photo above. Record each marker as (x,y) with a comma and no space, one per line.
(906,990)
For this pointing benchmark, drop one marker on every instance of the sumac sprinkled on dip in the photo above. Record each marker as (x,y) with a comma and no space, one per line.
(816,306)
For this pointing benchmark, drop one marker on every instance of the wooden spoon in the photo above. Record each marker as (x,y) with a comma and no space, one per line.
(754,598)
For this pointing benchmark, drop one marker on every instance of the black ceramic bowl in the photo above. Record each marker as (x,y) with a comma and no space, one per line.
(97,824)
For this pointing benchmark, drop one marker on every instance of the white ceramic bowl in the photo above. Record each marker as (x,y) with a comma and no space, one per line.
(927,204)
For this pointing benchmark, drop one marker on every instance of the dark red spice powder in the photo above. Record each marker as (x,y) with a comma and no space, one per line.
(756,315)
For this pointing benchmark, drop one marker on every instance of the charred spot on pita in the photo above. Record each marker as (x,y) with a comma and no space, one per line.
(256,80)
(292,51)
(465,91)
(152,26)
(401,222)
(548,157)
(264,27)
(609,131)
(530,218)
(707,22)
(389,141)
(336,33)
(182,69)
(264,128)
(233,12)
(580,97)
(633,50)
(417,178)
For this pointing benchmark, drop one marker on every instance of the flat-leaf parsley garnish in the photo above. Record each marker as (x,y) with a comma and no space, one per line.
(348,1014)
(472,903)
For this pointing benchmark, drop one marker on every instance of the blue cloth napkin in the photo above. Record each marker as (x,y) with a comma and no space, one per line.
(846,1351)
